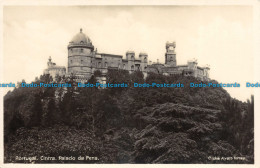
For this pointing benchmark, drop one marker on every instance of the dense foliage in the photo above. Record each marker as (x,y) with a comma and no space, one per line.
(128,125)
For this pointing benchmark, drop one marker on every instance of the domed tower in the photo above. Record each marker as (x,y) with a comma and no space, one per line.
(80,55)
(170,55)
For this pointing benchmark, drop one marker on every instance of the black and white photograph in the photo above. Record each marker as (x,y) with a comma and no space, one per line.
(128,84)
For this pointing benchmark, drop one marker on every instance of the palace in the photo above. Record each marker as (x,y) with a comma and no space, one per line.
(84,60)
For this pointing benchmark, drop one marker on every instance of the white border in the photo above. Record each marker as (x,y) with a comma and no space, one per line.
(253,3)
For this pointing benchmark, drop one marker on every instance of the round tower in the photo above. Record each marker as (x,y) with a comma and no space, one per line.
(80,55)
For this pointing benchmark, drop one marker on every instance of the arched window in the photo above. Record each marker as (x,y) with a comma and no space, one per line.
(132,68)
(132,57)
(145,59)
(81,50)
(124,66)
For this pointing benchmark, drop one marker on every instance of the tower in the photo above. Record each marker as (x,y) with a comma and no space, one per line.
(170,55)
(130,56)
(80,55)
(49,63)
(206,72)
(144,61)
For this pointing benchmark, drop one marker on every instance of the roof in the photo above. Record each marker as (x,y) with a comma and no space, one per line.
(110,55)
(81,38)
(130,52)
(143,54)
(56,67)
(182,65)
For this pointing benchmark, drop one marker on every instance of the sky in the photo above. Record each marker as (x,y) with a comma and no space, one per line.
(221,36)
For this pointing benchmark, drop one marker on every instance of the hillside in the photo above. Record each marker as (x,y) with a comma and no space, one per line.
(128,125)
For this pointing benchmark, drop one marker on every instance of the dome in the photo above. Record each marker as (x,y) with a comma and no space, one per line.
(81,38)
(143,54)
(130,52)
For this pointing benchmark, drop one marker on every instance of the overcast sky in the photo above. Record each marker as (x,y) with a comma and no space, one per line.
(221,36)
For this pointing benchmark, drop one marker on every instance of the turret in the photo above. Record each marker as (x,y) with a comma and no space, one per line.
(144,61)
(192,64)
(143,57)
(49,63)
(170,55)
(206,72)
(130,55)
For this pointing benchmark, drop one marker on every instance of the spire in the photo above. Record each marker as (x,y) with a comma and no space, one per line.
(80,30)
(49,58)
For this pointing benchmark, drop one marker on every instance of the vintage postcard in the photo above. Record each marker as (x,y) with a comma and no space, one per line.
(129,83)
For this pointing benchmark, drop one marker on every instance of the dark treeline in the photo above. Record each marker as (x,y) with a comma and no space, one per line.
(128,125)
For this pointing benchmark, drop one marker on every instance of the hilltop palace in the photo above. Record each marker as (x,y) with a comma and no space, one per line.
(83,61)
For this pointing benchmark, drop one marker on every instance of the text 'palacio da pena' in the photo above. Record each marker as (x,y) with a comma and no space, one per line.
(84,60)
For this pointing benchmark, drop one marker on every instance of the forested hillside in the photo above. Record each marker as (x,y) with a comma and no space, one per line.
(128,125)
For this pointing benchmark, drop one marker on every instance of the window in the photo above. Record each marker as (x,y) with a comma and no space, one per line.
(145,59)
(71,61)
(132,68)
(99,64)
(105,64)
(71,50)
(124,66)
(81,50)
(81,61)
(132,57)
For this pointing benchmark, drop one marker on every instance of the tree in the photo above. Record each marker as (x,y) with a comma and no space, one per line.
(36,117)
(52,115)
